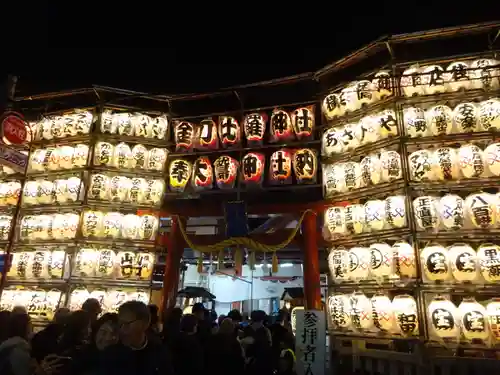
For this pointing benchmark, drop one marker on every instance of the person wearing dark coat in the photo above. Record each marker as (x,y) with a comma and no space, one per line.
(187,351)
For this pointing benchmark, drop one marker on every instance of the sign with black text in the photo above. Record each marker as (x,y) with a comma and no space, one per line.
(310,342)
(13,159)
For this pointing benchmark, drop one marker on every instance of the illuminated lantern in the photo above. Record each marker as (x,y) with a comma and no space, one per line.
(148,227)
(105,264)
(464,262)
(52,298)
(281,129)
(131,225)
(126,263)
(226,171)
(254,126)
(53,160)
(446,166)
(333,179)
(411,82)
(80,155)
(280,168)
(383,315)
(100,295)
(66,157)
(443,318)
(349,137)
(30,193)
(83,121)
(367,130)
(365,91)
(38,265)
(203,175)
(45,192)
(331,143)
(361,312)
(155,189)
(422,165)
(74,192)
(114,299)
(440,120)
(122,156)
(141,124)
(71,226)
(303,122)
(184,133)
(19,265)
(229,131)
(352,176)
(103,154)
(157,159)
(354,218)
(489,114)
(56,264)
(36,160)
(58,226)
(359,263)
(383,84)
(139,295)
(43,227)
(334,220)
(436,263)
(405,312)
(458,76)
(451,211)
(484,75)
(44,129)
(395,211)
(415,122)
(481,209)
(7,301)
(179,174)
(433,79)
(92,223)
(206,137)
(472,161)
(492,156)
(375,215)
(339,310)
(123,124)
(370,170)
(11,192)
(425,209)
(331,107)
(349,98)
(489,261)
(390,164)
(158,128)
(28,227)
(143,265)
(466,118)
(252,168)
(493,314)
(85,263)
(58,123)
(305,165)
(137,189)
(107,124)
(405,265)
(119,188)
(140,156)
(112,224)
(388,126)
(381,261)
(338,263)
(99,187)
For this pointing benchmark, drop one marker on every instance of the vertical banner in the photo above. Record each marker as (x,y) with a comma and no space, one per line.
(310,342)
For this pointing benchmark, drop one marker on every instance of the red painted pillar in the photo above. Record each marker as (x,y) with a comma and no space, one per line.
(312,291)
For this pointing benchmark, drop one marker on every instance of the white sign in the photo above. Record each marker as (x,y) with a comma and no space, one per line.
(13,159)
(310,342)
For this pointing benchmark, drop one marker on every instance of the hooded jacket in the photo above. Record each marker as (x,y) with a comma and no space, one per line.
(17,350)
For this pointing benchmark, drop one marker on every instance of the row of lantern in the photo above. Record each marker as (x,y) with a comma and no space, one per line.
(123,156)
(40,303)
(93,224)
(209,135)
(58,158)
(35,264)
(67,125)
(379,262)
(201,173)
(110,299)
(42,192)
(446,163)
(441,119)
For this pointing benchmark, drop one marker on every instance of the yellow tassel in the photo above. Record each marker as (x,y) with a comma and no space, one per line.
(275,263)
(251,261)
(200,264)
(220,259)
(238,258)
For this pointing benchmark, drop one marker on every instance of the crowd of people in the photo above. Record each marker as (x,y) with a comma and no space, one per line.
(136,341)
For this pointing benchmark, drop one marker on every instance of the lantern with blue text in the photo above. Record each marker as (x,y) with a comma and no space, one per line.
(303,122)
(252,168)
(184,133)
(203,175)
(305,165)
(179,173)
(254,126)
(206,135)
(226,171)
(229,132)
(280,167)
(280,128)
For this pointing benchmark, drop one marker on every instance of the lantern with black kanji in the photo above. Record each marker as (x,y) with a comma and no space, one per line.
(411,81)
(254,126)
(226,171)
(415,122)
(481,209)
(466,118)
(444,322)
(485,74)
(433,79)
(229,132)
(382,83)
(203,174)
(473,320)
(252,169)
(280,167)
(184,133)
(492,156)
(331,106)
(305,166)
(488,255)
(179,173)
(493,314)
(489,114)
(440,119)
(303,122)
(458,76)
(464,262)
(472,161)
(405,312)
(206,135)
(280,129)
(339,309)
(361,312)
(435,264)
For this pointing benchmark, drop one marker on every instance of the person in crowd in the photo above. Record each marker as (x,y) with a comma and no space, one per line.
(4,323)
(257,344)
(237,318)
(19,310)
(154,327)
(281,337)
(204,327)
(93,308)
(286,363)
(45,342)
(135,354)
(171,326)
(187,352)
(225,355)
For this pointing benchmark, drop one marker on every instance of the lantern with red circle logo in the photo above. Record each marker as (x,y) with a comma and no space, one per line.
(206,135)
(229,132)
(203,175)
(280,167)
(252,169)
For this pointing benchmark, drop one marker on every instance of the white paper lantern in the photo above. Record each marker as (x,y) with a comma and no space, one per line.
(411,82)
(489,261)
(367,130)
(426,212)
(481,209)
(80,155)
(52,162)
(484,75)
(466,118)
(107,123)
(61,190)
(349,137)
(144,265)
(30,193)
(157,159)
(72,225)
(141,124)
(383,315)
(489,114)
(131,225)
(154,192)
(365,91)
(493,314)
(140,156)
(138,187)
(405,265)
(148,228)
(56,264)
(58,226)
(388,126)
(422,165)
(472,161)
(158,128)
(119,187)
(492,158)
(415,122)
(335,220)
(435,263)
(77,297)
(103,154)
(44,227)
(332,106)
(86,262)
(332,143)
(123,124)
(371,170)
(333,179)
(338,263)
(99,187)
(382,261)
(105,263)
(391,166)
(100,296)
(464,262)
(349,96)
(395,211)
(38,266)
(339,308)
(352,175)
(74,189)
(45,192)
(440,120)
(405,312)
(451,211)
(37,158)
(361,312)
(66,157)
(433,79)
(383,84)
(443,318)
(458,76)
(359,263)
(122,156)
(446,164)
(354,216)
(112,224)
(92,223)
(375,215)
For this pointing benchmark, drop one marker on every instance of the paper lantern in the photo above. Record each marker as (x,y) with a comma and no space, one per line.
(435,262)
(440,120)
(371,169)
(492,158)
(382,263)
(411,82)
(446,164)
(331,143)
(484,75)
(85,263)
(202,178)
(159,128)
(92,223)
(131,225)
(359,263)
(375,215)
(123,124)
(458,76)
(338,263)
(395,211)
(143,265)
(137,189)
(148,227)
(58,226)
(489,261)
(107,124)
(226,171)
(72,225)
(254,126)
(30,193)
(388,126)
(56,264)
(206,135)
(80,155)
(365,91)
(184,133)
(114,299)
(74,189)
(119,188)
(349,98)
(154,192)
(28,227)
(415,122)
(112,224)
(472,161)
(157,159)
(333,179)
(383,315)
(281,129)
(38,267)
(126,264)
(433,79)
(334,220)
(405,312)
(83,121)
(77,297)
(43,227)
(349,137)
(466,118)
(252,168)
(354,218)
(122,156)
(481,209)
(229,131)
(425,209)
(140,156)
(390,163)
(361,312)
(493,315)
(12,192)
(451,211)
(489,114)
(45,192)
(280,168)
(36,160)
(405,265)
(464,262)
(303,122)
(305,165)
(98,187)
(105,263)
(422,164)
(66,157)
(141,124)
(7,300)
(367,131)
(179,174)
(332,107)
(443,318)
(383,84)
(352,176)
(339,307)
(100,295)
(52,159)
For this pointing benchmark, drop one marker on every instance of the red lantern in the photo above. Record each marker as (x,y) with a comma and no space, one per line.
(206,136)
(252,168)
(280,167)
(281,129)
(183,136)
(303,122)
(229,132)
(255,127)
(202,178)
(226,171)
(305,165)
